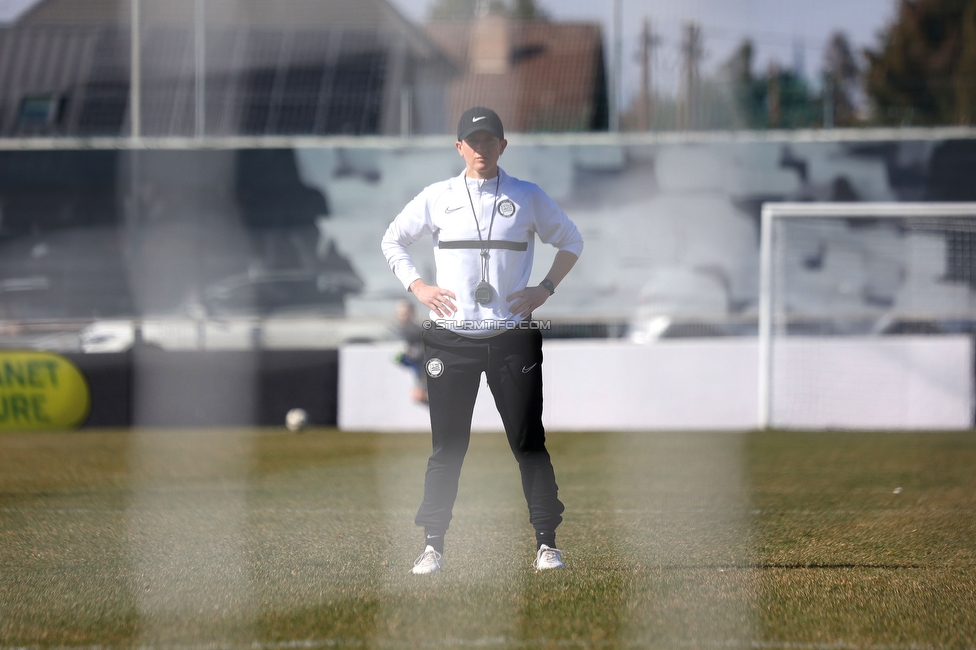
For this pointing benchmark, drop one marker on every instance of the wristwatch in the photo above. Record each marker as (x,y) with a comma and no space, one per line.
(547,283)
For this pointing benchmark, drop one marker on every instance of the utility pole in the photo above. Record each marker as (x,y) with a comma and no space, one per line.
(828,101)
(773,96)
(691,55)
(135,74)
(200,60)
(616,64)
(648,42)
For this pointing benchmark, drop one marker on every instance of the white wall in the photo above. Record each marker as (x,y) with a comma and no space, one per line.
(904,382)
(596,385)
(589,386)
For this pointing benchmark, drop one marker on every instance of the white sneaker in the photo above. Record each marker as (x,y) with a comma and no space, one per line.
(429,562)
(548,558)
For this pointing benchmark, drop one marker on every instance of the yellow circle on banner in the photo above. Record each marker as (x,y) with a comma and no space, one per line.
(41,390)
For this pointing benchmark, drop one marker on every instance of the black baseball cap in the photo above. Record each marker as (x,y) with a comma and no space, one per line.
(480,118)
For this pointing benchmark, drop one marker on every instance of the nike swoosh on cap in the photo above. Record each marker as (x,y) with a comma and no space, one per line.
(450,210)
(478,119)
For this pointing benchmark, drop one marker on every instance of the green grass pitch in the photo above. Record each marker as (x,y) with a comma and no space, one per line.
(264,539)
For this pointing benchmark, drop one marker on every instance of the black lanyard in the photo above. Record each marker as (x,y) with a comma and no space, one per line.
(485,243)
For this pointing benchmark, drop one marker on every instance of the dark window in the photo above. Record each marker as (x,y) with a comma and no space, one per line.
(103,109)
(344,98)
(357,94)
(40,112)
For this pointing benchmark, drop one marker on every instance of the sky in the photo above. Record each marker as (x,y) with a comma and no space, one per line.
(781,30)
(11,9)
(786,31)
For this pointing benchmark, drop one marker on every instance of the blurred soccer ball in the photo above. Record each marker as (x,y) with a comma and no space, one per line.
(296,419)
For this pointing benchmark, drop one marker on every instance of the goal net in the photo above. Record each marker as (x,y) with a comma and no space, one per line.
(866,315)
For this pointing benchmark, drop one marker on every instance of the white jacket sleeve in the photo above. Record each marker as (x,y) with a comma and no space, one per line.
(408,226)
(554,227)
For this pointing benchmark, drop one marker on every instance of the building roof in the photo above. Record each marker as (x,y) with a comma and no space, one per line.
(538,75)
(302,15)
(322,66)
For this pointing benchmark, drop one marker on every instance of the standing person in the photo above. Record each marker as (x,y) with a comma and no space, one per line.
(412,357)
(483,223)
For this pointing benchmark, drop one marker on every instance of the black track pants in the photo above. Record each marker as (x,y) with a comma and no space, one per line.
(512,362)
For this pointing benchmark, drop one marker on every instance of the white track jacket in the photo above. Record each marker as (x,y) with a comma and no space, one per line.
(443,210)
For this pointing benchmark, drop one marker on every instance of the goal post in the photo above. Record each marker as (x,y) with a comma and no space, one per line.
(866,315)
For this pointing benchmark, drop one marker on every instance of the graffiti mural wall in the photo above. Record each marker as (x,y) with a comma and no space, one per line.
(671,227)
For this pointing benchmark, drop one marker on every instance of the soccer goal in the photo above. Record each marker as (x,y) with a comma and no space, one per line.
(866,315)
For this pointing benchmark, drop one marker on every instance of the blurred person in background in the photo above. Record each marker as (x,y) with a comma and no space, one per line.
(412,357)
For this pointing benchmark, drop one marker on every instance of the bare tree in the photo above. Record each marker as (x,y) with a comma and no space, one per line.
(842,76)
